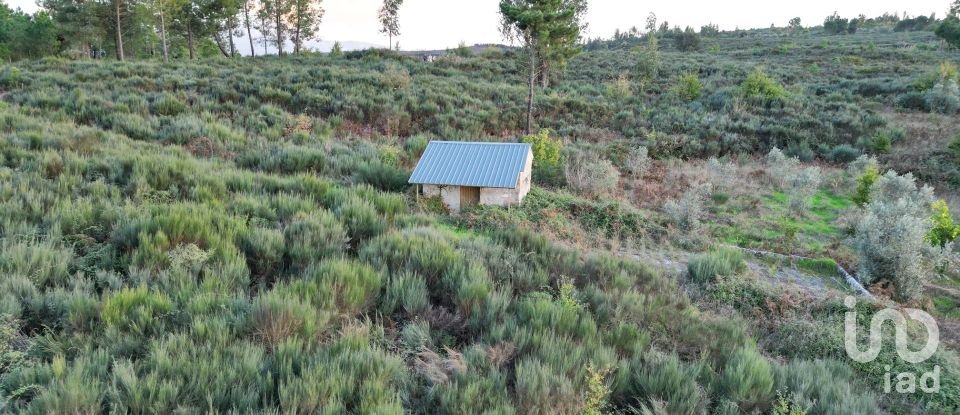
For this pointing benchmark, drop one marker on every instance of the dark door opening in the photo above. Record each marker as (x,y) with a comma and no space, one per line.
(469,196)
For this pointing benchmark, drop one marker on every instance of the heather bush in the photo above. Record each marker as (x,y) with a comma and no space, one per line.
(344,286)
(661,380)
(277,316)
(705,268)
(747,379)
(540,390)
(264,250)
(824,387)
(361,220)
(44,262)
(136,311)
(312,237)
(405,292)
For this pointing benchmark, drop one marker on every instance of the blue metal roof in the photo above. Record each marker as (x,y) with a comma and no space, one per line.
(458,163)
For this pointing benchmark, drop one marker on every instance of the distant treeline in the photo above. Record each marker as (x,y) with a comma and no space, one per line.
(689,38)
(203,28)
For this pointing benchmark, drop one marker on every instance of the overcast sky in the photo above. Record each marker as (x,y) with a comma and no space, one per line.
(437,24)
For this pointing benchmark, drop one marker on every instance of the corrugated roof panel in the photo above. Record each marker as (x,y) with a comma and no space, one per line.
(455,163)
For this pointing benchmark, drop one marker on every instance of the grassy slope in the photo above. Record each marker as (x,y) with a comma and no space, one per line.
(191,236)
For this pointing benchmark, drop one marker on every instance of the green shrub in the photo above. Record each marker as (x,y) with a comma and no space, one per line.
(383,177)
(944,230)
(704,269)
(954,148)
(864,184)
(184,374)
(361,219)
(747,379)
(369,380)
(405,292)
(759,85)
(44,262)
(836,25)
(540,390)
(662,379)
(824,387)
(74,388)
(279,315)
(546,149)
(136,310)
(264,250)
(167,104)
(339,285)
(424,251)
(687,40)
(801,185)
(821,266)
(313,237)
(843,153)
(687,87)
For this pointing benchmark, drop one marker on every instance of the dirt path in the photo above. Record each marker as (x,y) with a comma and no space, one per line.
(786,275)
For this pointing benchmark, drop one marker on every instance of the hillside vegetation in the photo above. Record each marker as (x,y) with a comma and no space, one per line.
(237,235)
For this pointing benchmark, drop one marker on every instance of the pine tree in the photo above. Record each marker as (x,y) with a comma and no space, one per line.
(389,19)
(304,22)
(548,29)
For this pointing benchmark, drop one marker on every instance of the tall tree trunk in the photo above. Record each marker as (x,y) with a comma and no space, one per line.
(233,47)
(190,41)
(390,36)
(246,20)
(544,73)
(116,4)
(532,80)
(296,31)
(163,32)
(219,43)
(279,15)
(263,35)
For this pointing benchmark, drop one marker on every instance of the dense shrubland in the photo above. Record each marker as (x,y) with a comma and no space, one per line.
(140,277)
(238,235)
(747,99)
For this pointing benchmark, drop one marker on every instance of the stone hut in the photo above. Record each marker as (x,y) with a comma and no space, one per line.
(468,173)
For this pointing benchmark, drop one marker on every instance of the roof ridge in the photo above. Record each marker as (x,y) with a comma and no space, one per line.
(466,163)
(476,142)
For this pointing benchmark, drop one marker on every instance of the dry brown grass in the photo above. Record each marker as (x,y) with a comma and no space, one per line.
(439,369)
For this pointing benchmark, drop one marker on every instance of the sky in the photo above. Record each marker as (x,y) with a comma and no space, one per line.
(439,24)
